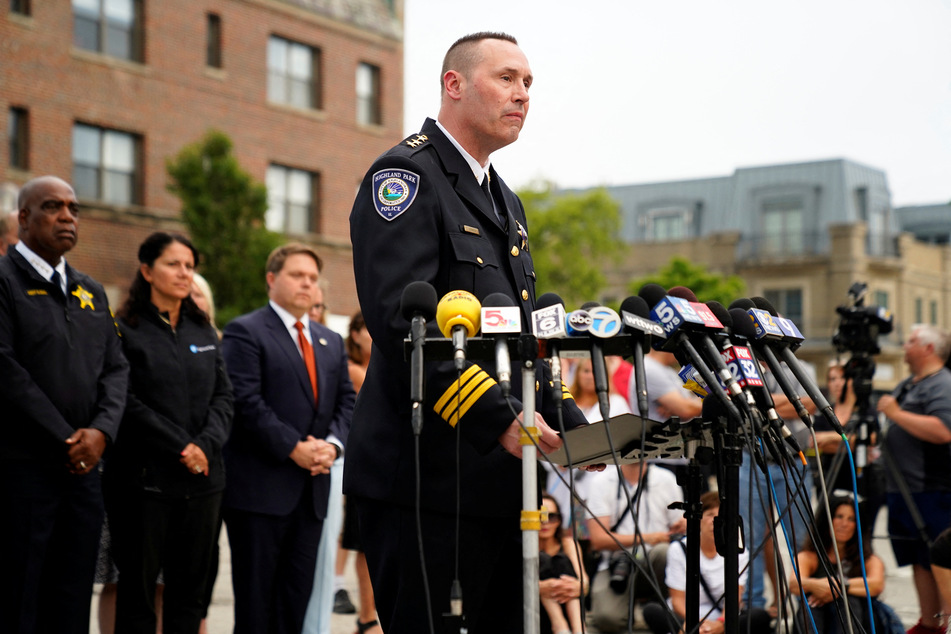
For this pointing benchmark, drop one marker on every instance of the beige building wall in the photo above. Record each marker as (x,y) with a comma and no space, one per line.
(920,271)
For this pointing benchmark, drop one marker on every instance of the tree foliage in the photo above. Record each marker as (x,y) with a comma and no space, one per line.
(574,238)
(679,271)
(223,209)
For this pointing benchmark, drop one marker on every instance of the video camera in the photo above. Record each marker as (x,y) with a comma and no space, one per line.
(860,325)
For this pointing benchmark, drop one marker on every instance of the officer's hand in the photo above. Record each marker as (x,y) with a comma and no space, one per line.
(84,449)
(194,459)
(548,439)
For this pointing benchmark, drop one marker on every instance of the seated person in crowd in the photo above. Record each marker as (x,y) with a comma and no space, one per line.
(559,570)
(624,532)
(712,584)
(818,570)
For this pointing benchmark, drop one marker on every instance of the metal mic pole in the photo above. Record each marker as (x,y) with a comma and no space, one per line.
(531,516)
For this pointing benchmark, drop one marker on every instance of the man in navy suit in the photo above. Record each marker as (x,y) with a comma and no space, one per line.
(293,403)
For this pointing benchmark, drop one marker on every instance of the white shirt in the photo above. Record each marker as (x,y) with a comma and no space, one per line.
(606,499)
(42,266)
(289,322)
(479,171)
(712,571)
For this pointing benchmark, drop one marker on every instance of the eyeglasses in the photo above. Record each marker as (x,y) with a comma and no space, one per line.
(319,306)
(553,518)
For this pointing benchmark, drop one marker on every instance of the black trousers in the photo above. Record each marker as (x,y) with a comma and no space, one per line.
(490,568)
(272,567)
(49,537)
(176,536)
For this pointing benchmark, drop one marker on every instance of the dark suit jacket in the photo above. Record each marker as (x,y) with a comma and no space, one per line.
(442,231)
(274,409)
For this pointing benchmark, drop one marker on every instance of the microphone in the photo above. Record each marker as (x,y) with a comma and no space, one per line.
(605,323)
(417,305)
(747,364)
(636,317)
(500,316)
(457,315)
(743,325)
(548,326)
(677,317)
(712,353)
(793,339)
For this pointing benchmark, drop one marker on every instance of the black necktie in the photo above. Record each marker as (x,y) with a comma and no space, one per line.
(499,213)
(487,191)
(56,281)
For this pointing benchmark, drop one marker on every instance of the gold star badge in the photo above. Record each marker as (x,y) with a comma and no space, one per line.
(85,297)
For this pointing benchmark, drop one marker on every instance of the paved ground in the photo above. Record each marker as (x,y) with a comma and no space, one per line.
(899,591)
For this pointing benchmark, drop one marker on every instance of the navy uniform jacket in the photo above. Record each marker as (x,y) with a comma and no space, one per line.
(421,215)
(274,409)
(61,364)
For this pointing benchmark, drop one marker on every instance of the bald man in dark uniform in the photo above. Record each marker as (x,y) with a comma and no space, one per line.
(62,396)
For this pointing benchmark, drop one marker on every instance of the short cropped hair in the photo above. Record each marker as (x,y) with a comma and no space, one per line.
(463,55)
(275,261)
(938,338)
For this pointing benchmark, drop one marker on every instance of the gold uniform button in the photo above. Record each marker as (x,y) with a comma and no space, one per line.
(514,251)
(479,260)
(525,295)
(536,386)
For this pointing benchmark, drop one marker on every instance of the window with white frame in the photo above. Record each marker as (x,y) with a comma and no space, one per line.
(110,27)
(293,73)
(292,200)
(106,165)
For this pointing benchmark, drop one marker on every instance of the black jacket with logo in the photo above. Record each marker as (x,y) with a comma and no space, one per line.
(61,364)
(179,393)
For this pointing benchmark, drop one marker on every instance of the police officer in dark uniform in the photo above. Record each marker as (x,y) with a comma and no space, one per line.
(433,209)
(62,395)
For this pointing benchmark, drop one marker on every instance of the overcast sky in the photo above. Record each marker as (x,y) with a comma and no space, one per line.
(635,91)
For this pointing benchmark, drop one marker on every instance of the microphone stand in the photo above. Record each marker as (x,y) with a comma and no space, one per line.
(531,515)
(728,444)
(697,454)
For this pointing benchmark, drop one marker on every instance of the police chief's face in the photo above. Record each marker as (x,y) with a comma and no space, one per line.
(50,216)
(294,287)
(498,91)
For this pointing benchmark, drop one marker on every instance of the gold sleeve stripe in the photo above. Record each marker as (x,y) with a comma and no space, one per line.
(454,387)
(565,393)
(463,394)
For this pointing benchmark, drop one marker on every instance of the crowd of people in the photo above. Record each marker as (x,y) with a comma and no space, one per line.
(136,436)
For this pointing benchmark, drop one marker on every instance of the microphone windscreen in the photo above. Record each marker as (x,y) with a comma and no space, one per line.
(458,308)
(684,293)
(652,294)
(419,298)
(744,303)
(713,409)
(589,305)
(720,312)
(636,305)
(498,300)
(742,323)
(764,304)
(548,299)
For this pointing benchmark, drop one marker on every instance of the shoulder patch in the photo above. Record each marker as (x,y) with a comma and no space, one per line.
(395,191)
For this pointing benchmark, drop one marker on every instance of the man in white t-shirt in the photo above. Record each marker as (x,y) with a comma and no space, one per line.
(644,528)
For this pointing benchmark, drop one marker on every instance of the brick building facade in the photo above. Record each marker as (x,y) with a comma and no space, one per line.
(102,94)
